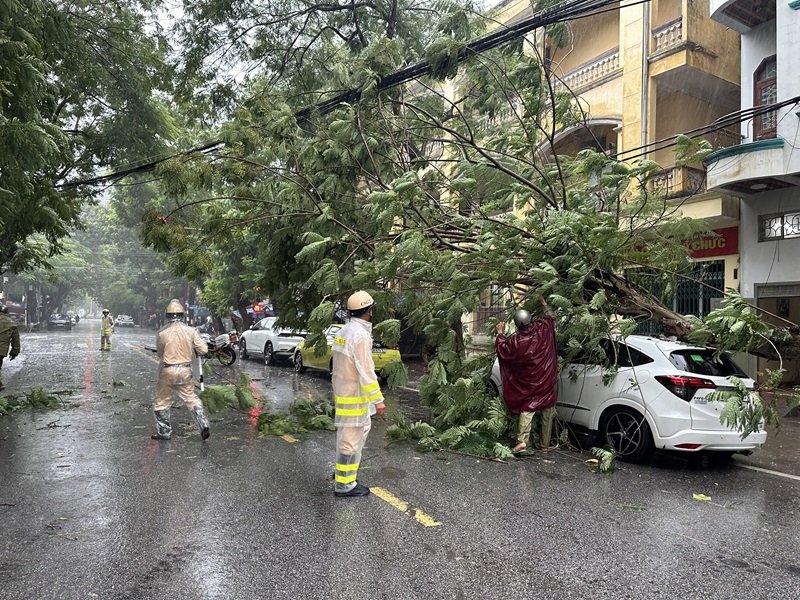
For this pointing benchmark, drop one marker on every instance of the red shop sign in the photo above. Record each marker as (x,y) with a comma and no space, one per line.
(722,242)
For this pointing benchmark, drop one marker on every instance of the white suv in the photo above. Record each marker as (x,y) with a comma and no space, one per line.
(667,382)
(271,342)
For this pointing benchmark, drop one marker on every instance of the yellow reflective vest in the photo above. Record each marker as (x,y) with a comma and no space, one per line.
(355,385)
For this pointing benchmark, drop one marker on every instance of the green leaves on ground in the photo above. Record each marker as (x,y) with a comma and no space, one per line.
(217,398)
(304,415)
(606,457)
(36,398)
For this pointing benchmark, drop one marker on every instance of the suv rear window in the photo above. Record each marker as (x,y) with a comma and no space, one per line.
(702,362)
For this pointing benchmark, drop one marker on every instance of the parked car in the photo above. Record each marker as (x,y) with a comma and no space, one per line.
(658,398)
(123,321)
(59,321)
(273,343)
(307,358)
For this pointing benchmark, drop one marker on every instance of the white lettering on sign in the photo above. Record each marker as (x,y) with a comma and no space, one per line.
(709,243)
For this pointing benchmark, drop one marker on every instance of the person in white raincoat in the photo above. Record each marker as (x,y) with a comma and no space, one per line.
(356,393)
(176,343)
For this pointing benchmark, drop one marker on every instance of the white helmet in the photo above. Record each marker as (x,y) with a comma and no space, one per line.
(174,310)
(359,301)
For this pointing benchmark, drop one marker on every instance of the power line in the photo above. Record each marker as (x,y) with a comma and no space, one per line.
(562,12)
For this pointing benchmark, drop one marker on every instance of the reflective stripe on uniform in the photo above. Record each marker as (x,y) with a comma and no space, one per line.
(351,412)
(370,387)
(346,478)
(349,467)
(350,399)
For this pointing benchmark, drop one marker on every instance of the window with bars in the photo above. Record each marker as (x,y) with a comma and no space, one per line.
(765,92)
(689,295)
(778,227)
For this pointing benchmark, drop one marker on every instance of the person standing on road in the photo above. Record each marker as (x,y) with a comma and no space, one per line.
(529,368)
(9,336)
(176,343)
(106,329)
(356,393)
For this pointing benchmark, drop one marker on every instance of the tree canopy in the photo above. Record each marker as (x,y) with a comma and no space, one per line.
(79,86)
(430,195)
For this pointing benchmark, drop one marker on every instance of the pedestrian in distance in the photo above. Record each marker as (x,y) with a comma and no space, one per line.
(529,369)
(176,343)
(356,393)
(106,329)
(9,338)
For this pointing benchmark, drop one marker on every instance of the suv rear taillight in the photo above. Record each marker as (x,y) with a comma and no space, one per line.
(684,387)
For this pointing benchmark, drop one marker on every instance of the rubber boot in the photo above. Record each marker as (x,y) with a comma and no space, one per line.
(201,420)
(353,489)
(163,426)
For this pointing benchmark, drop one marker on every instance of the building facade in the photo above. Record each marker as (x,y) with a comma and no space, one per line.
(764,170)
(644,73)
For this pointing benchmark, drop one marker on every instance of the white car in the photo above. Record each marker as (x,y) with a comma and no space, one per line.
(666,382)
(270,342)
(123,321)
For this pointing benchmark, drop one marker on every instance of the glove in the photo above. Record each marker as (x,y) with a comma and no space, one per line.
(13,355)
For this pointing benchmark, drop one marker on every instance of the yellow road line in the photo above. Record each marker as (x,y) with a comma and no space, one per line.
(289,438)
(421,517)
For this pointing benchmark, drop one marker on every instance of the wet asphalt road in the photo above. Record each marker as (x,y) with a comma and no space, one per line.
(90,507)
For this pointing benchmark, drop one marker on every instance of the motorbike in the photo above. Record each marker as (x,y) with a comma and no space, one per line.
(221,347)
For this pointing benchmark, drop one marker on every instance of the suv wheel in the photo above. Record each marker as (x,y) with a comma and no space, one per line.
(299,367)
(627,432)
(243,350)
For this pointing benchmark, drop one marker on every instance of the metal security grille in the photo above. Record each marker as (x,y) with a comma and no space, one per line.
(686,296)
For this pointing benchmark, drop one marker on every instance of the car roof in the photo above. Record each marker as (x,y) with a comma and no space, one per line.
(665,345)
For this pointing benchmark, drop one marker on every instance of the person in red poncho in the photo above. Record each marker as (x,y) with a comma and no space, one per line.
(529,368)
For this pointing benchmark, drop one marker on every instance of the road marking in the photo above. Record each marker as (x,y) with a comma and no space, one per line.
(289,438)
(404,507)
(770,472)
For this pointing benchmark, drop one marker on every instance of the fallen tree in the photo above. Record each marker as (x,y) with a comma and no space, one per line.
(433,196)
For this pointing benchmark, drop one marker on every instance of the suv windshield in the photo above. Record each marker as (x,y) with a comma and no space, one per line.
(702,362)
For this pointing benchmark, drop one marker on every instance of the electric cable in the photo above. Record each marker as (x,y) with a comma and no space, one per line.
(562,12)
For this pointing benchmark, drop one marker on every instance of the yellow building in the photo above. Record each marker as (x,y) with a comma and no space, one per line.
(644,73)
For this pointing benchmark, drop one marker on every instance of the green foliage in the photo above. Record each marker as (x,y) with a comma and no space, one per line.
(217,398)
(746,410)
(400,429)
(35,398)
(736,326)
(304,415)
(607,458)
(438,204)
(395,374)
(77,90)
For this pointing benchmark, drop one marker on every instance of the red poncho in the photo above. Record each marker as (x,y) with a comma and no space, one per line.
(529,366)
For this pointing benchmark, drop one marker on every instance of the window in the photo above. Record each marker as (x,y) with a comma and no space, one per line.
(765,92)
(778,227)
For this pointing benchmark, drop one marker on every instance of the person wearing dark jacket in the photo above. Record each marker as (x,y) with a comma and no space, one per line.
(9,337)
(529,369)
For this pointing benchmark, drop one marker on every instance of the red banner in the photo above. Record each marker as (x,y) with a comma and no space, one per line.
(722,242)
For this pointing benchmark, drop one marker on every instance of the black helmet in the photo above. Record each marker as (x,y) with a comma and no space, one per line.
(3,309)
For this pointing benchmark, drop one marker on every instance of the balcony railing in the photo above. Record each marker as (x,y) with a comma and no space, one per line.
(677,182)
(591,72)
(723,138)
(668,36)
